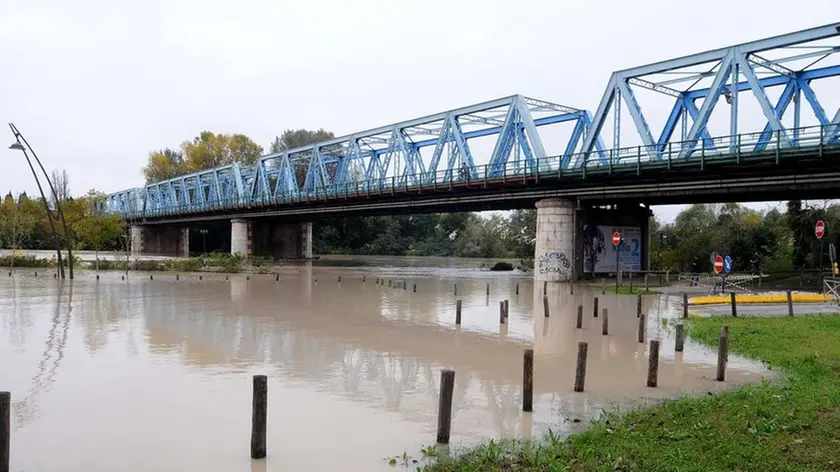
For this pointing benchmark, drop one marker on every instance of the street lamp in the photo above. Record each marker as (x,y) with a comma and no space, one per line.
(20,146)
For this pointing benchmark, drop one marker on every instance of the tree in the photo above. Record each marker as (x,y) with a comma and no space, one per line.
(295,138)
(16,224)
(520,233)
(98,228)
(61,183)
(163,165)
(210,150)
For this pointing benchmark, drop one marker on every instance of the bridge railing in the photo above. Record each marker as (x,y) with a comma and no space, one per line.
(765,145)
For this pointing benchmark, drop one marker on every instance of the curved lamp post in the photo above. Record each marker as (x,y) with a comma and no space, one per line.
(17,145)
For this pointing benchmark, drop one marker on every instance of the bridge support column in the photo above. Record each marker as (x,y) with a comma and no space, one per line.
(555,244)
(305,240)
(136,240)
(159,240)
(184,247)
(240,237)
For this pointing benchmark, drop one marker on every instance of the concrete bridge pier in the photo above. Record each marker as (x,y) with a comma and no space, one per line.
(555,240)
(271,238)
(160,241)
(575,241)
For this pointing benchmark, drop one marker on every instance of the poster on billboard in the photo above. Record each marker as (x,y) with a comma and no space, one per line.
(600,254)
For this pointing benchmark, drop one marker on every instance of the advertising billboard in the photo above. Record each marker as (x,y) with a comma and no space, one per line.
(599,254)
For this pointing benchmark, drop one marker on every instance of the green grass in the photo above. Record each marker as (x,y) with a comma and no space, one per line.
(792,424)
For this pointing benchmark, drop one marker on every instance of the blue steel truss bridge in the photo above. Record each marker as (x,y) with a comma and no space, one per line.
(741,123)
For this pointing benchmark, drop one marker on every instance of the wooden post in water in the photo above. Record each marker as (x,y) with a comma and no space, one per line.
(259,416)
(177,277)
(653,364)
(723,346)
(488,289)
(724,331)
(363,278)
(517,288)
(390,282)
(447,383)
(201,277)
(678,344)
(414,288)
(685,305)
(579,323)
(641,328)
(604,285)
(247,277)
(595,308)
(571,287)
(151,277)
(605,323)
(545,287)
(638,306)
(501,312)
(790,303)
(458,312)
(507,308)
(734,305)
(456,289)
(545,305)
(580,372)
(5,429)
(528,381)
(277,278)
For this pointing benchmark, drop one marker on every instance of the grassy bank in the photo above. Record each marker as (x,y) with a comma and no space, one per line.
(791,424)
(215,262)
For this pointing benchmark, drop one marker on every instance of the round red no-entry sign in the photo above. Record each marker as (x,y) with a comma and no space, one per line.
(819,229)
(718,264)
(616,238)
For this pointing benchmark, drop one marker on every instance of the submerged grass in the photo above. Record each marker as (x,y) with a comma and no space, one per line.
(622,290)
(792,424)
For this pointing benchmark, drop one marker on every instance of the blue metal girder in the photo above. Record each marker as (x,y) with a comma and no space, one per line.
(731,62)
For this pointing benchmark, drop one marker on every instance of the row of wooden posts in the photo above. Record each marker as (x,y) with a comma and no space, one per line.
(259,405)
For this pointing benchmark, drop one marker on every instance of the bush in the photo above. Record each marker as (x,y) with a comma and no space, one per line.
(26,261)
(502,266)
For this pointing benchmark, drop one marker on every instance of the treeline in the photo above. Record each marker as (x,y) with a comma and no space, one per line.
(449,234)
(24,224)
(770,240)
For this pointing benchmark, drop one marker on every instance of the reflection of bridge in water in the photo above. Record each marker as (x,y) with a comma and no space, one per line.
(338,339)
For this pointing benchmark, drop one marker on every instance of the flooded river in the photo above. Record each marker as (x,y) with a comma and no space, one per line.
(144,374)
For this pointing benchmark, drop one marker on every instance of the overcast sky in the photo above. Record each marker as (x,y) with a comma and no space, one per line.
(95,85)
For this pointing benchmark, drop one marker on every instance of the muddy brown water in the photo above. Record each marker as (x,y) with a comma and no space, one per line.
(147,374)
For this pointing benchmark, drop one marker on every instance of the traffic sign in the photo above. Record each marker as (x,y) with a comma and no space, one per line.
(718,264)
(727,264)
(819,229)
(616,238)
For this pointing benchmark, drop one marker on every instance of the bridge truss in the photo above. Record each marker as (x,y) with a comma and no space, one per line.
(375,159)
(436,149)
